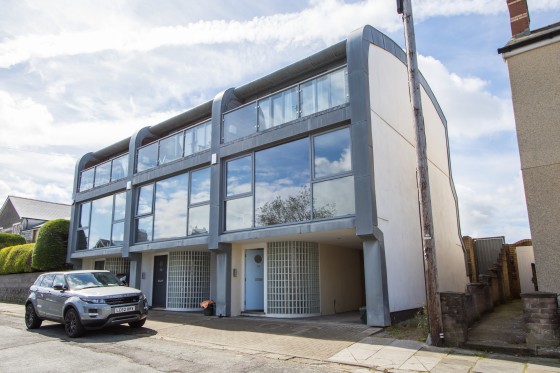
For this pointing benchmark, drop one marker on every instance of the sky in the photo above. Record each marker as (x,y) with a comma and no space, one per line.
(77,76)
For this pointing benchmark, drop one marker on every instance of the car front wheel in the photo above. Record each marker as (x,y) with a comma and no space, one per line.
(137,324)
(72,324)
(32,321)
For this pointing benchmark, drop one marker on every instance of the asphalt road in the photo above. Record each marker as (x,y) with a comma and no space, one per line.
(121,349)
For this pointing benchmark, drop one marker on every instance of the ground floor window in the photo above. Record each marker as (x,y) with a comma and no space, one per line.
(293,278)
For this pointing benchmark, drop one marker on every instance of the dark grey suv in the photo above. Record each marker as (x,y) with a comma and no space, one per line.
(84,300)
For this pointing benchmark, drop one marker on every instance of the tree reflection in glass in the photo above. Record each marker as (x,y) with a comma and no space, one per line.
(282,180)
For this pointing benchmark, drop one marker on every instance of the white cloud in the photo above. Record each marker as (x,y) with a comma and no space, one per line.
(470,109)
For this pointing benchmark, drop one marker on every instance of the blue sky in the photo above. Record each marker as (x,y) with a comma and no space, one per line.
(76,76)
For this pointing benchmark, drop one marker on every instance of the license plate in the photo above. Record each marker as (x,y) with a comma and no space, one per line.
(124,309)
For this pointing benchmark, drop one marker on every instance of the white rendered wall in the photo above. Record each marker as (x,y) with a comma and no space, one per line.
(525,257)
(396,190)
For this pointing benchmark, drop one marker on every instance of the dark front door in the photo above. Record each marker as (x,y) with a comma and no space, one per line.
(159,296)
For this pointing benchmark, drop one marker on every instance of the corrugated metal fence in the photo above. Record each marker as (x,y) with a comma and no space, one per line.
(487,252)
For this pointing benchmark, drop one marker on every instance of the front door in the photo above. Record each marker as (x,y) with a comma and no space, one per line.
(159,295)
(254,280)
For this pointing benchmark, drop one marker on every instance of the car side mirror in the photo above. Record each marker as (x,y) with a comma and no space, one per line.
(59,287)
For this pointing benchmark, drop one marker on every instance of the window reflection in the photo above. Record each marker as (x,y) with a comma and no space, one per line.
(147,157)
(144,229)
(200,186)
(86,179)
(145,200)
(282,184)
(171,148)
(101,222)
(119,168)
(324,92)
(120,206)
(239,213)
(239,123)
(202,137)
(117,237)
(333,198)
(170,215)
(199,220)
(84,214)
(332,153)
(338,88)
(102,174)
(277,109)
(239,174)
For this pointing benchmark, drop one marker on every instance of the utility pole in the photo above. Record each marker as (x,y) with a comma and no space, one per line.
(433,304)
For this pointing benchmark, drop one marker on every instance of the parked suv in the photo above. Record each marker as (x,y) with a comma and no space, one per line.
(84,300)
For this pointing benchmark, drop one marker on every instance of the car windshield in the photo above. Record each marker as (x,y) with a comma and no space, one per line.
(78,281)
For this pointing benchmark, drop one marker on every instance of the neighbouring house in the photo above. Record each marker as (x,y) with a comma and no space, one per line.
(293,195)
(24,216)
(533,61)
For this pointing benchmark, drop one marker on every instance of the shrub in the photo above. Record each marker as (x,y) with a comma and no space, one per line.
(16,259)
(51,246)
(10,239)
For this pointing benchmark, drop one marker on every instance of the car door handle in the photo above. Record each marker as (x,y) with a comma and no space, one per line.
(159,280)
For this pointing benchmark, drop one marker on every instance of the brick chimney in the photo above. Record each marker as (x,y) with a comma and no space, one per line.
(518,16)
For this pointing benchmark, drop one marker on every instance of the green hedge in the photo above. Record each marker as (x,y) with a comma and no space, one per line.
(10,239)
(51,246)
(16,259)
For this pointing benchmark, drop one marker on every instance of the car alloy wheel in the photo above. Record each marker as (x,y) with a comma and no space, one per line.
(32,321)
(72,324)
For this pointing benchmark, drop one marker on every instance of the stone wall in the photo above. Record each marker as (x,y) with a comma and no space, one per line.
(455,317)
(14,288)
(540,313)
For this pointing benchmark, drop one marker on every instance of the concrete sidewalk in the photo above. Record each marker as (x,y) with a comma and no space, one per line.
(329,340)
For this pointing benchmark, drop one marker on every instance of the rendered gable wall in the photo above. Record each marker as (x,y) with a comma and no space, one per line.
(396,190)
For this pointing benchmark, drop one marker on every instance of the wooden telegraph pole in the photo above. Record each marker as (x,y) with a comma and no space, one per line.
(404,7)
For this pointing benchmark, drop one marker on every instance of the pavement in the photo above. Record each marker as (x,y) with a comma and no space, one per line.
(339,339)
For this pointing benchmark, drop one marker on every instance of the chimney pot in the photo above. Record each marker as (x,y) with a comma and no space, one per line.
(518,16)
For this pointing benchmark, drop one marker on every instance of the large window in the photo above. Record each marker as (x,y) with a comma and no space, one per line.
(104,173)
(282,178)
(303,180)
(175,146)
(101,222)
(165,209)
(315,95)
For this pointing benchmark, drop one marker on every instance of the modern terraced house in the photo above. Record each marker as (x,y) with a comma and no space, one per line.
(294,195)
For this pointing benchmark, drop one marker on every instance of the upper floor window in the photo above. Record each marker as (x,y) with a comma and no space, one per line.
(302,180)
(101,222)
(309,97)
(174,207)
(175,146)
(104,173)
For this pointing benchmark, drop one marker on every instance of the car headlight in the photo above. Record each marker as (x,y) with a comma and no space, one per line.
(142,297)
(93,300)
